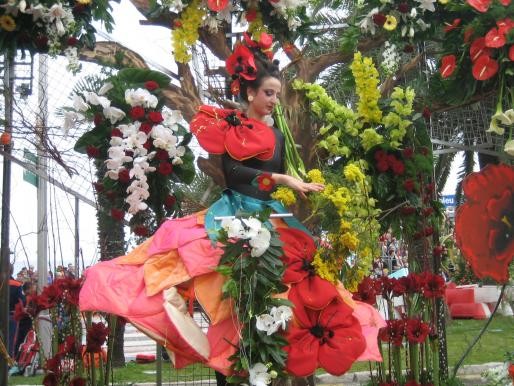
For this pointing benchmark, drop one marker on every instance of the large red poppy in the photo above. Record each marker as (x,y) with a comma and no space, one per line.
(416,330)
(480,5)
(484,68)
(242,62)
(220,130)
(264,43)
(484,224)
(299,250)
(330,338)
(448,64)
(478,48)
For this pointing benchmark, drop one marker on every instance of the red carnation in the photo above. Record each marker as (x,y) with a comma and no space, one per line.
(72,41)
(146,127)
(96,336)
(162,155)
(404,8)
(398,168)
(92,151)
(448,64)
(151,85)
(170,201)
(148,144)
(141,230)
(409,185)
(382,166)
(416,330)
(124,175)
(98,119)
(137,112)
(379,19)
(117,214)
(116,133)
(265,182)
(165,168)
(155,116)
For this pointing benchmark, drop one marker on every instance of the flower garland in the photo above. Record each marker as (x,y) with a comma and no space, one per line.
(185,31)
(47,26)
(137,143)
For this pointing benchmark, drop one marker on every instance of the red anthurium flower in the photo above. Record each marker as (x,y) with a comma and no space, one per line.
(366,291)
(487,242)
(330,338)
(511,53)
(505,2)
(265,182)
(96,336)
(242,62)
(468,33)
(484,68)
(393,332)
(146,127)
(505,25)
(450,27)
(92,151)
(217,5)
(416,330)
(448,64)
(478,48)
(480,5)
(494,38)
(299,251)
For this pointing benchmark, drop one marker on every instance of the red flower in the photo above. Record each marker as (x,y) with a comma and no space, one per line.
(19,312)
(117,214)
(137,112)
(511,53)
(124,175)
(409,185)
(428,231)
(511,371)
(155,116)
(478,48)
(398,168)
(99,187)
(96,336)
(264,43)
(412,382)
(408,152)
(393,332)
(169,201)
(299,251)
(484,68)
(92,151)
(382,166)
(235,87)
(399,287)
(162,155)
(251,14)
(151,85)
(379,19)
(426,113)
(438,250)
(505,25)
(50,379)
(146,127)
(408,210)
(54,365)
(98,119)
(505,2)
(416,330)
(451,27)
(494,38)
(116,133)
(366,291)
(265,182)
(242,62)
(330,338)
(165,168)
(413,283)
(78,381)
(433,285)
(480,5)
(428,211)
(50,296)
(483,225)
(217,5)
(448,64)
(141,230)
(468,33)
(404,8)
(69,346)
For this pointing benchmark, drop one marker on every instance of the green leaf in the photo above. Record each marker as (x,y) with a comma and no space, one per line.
(95,137)
(138,75)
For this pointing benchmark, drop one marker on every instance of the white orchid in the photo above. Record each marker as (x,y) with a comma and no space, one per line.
(260,243)
(234,228)
(97,100)
(113,114)
(427,5)
(266,323)
(140,97)
(367,24)
(281,315)
(171,118)
(105,88)
(79,104)
(259,375)
(70,119)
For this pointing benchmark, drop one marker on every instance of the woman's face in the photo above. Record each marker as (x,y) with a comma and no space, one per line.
(264,98)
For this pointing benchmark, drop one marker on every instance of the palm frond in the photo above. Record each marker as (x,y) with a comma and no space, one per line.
(442,169)
(201,193)
(466,168)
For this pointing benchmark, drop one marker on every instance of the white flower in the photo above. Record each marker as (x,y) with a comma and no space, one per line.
(259,375)
(281,315)
(57,14)
(105,88)
(509,147)
(253,225)
(293,23)
(260,243)
(113,114)
(79,104)
(266,322)
(413,12)
(140,97)
(501,118)
(233,227)
(37,11)
(367,24)
(424,26)
(427,4)
(70,118)
(11,8)
(96,100)
(211,23)
(171,118)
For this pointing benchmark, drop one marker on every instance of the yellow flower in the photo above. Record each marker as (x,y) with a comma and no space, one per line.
(353,173)
(444,1)
(84,2)
(185,32)
(366,82)
(390,23)
(285,195)
(326,269)
(315,175)
(7,23)
(350,241)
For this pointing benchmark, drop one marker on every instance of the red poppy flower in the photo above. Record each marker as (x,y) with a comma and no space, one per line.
(235,87)
(450,27)
(494,38)
(117,214)
(448,64)
(393,332)
(299,251)
(511,53)
(96,336)
(242,62)
(478,48)
(480,5)
(416,330)
(151,85)
(137,112)
(165,168)
(484,68)
(366,291)
(330,338)
(155,117)
(265,182)
(483,225)
(217,5)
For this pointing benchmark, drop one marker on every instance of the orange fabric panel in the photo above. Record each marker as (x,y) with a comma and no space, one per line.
(137,256)
(208,293)
(163,271)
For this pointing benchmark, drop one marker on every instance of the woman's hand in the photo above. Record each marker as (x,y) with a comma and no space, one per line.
(296,184)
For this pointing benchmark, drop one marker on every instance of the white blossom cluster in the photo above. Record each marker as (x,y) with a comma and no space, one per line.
(497,376)
(276,319)
(259,375)
(391,59)
(249,228)
(286,9)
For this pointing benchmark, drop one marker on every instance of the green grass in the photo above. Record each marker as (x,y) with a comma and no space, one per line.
(497,340)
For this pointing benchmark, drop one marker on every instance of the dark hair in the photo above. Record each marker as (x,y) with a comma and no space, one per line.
(265,69)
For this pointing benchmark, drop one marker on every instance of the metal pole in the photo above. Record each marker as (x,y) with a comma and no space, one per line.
(6,209)
(77,239)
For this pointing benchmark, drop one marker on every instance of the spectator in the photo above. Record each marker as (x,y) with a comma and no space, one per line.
(24,324)
(15,296)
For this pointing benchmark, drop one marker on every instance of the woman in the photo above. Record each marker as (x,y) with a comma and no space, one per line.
(152,285)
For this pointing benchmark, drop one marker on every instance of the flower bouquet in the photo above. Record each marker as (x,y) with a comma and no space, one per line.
(139,147)
(53,27)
